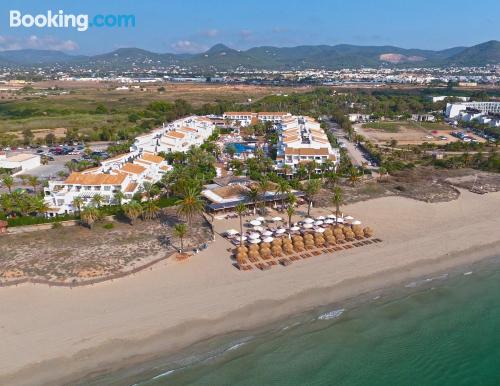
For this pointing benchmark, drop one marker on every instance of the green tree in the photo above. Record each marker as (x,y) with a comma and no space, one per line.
(78,204)
(151,210)
(190,205)
(290,211)
(311,189)
(337,200)
(180,231)
(8,182)
(240,211)
(97,200)
(119,197)
(33,182)
(253,196)
(89,216)
(132,211)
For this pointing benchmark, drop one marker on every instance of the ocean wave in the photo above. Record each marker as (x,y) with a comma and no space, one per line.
(416,283)
(163,374)
(468,273)
(331,314)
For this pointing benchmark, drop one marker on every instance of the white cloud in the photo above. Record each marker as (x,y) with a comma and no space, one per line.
(36,42)
(246,34)
(188,46)
(210,32)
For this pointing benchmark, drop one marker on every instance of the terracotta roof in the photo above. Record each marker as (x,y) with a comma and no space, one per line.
(239,113)
(131,187)
(175,134)
(280,113)
(95,179)
(188,129)
(150,157)
(306,151)
(133,168)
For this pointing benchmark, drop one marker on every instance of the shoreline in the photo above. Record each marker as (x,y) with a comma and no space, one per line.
(223,300)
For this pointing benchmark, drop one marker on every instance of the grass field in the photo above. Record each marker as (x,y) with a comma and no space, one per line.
(397,126)
(77,107)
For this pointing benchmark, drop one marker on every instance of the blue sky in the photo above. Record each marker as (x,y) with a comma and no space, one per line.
(194,26)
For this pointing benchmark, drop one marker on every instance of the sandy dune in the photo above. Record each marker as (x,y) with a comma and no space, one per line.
(49,334)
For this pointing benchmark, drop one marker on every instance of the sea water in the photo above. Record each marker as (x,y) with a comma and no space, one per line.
(440,330)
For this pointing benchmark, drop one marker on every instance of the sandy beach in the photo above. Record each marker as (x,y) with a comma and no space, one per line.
(52,335)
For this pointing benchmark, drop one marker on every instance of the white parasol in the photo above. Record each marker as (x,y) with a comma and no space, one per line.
(308,220)
(268,239)
(255,222)
(254,235)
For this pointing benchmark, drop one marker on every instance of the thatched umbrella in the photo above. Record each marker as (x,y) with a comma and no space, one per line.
(254,254)
(265,245)
(331,240)
(338,226)
(320,241)
(254,247)
(277,242)
(241,258)
(276,251)
(368,232)
(265,253)
(241,250)
(288,248)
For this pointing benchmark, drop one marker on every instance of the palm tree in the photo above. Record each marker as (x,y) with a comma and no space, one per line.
(290,211)
(150,211)
(287,170)
(311,188)
(240,210)
(39,205)
(382,172)
(89,215)
(180,231)
(78,203)
(150,189)
(8,181)
(97,200)
(337,200)
(119,197)
(132,211)
(253,195)
(190,205)
(353,175)
(283,188)
(291,199)
(332,179)
(263,188)
(33,181)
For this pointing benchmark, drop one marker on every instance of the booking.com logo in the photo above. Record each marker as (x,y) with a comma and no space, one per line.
(60,19)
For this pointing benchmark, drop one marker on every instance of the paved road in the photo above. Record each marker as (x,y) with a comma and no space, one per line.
(355,155)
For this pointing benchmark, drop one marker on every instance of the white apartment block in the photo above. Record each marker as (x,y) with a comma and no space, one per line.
(454,110)
(302,140)
(246,118)
(125,173)
(178,135)
(19,163)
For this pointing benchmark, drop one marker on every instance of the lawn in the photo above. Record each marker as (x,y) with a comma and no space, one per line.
(397,126)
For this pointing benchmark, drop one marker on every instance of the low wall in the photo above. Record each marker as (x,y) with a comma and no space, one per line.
(42,227)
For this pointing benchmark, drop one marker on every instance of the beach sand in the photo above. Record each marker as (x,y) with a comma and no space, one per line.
(51,336)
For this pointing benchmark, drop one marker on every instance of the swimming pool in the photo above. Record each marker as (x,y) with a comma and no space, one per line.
(242,147)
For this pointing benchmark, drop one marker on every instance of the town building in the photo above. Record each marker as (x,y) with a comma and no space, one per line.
(301,141)
(246,118)
(125,173)
(177,136)
(484,112)
(19,163)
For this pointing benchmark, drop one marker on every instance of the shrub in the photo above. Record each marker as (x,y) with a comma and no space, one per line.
(109,225)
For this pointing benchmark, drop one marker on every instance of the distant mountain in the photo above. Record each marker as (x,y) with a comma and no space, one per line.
(223,58)
(31,57)
(477,55)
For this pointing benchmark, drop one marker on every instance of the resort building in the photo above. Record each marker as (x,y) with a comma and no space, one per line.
(227,192)
(19,163)
(125,173)
(246,118)
(455,110)
(302,140)
(178,135)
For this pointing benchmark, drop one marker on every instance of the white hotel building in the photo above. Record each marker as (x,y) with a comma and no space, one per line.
(468,111)
(302,140)
(248,118)
(179,135)
(125,173)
